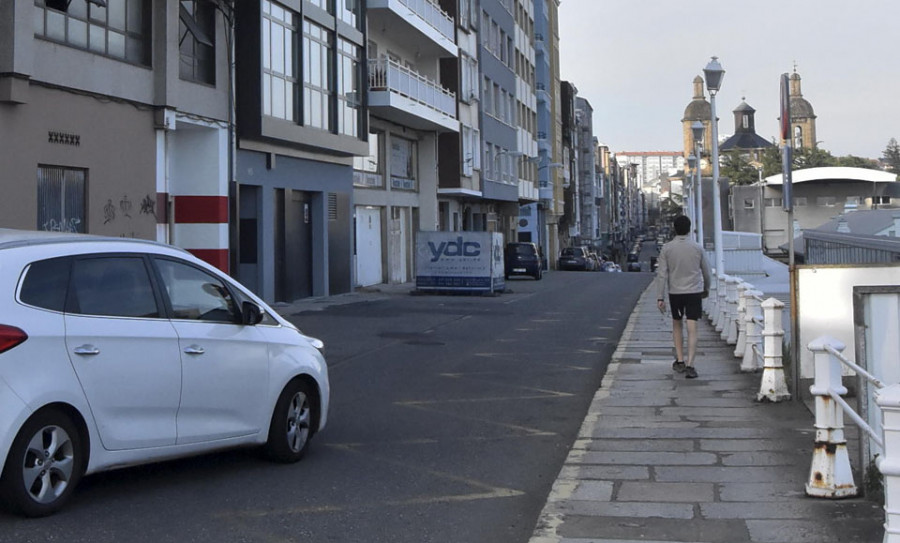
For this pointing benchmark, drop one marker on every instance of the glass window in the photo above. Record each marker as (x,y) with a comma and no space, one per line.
(403,172)
(60,199)
(196,41)
(278,48)
(348,11)
(318,51)
(367,170)
(196,294)
(45,284)
(349,88)
(113,287)
(121,29)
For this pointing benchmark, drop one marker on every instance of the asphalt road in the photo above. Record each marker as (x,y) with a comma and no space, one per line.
(451,418)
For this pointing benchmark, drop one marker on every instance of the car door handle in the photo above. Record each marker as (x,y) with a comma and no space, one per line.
(194,349)
(87,349)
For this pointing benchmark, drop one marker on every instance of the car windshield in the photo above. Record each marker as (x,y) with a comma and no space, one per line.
(632,257)
(524,250)
(571,251)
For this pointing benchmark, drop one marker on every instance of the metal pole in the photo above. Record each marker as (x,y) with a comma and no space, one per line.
(717,199)
(699,197)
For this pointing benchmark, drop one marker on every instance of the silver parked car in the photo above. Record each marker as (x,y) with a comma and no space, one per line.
(120,352)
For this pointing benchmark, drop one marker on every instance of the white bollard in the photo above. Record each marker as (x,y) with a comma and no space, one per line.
(888,399)
(729,334)
(773,386)
(829,473)
(754,332)
(741,343)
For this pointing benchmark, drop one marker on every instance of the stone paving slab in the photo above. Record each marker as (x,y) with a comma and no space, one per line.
(663,459)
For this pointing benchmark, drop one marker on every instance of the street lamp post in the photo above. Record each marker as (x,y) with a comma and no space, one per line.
(714,74)
(697,130)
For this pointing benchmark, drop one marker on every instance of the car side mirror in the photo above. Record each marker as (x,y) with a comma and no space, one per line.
(251,313)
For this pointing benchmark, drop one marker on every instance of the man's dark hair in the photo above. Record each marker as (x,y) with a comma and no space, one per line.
(682,225)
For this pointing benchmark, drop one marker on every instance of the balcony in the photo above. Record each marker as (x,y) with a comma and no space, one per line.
(404,96)
(423,16)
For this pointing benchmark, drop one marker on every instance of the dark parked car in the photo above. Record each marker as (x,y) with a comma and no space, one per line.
(522,258)
(576,258)
(633,264)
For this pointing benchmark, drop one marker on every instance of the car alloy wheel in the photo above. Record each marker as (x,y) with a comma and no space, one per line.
(291,428)
(45,463)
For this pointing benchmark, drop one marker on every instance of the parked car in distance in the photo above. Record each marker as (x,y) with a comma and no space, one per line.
(634,264)
(119,352)
(610,266)
(522,258)
(576,258)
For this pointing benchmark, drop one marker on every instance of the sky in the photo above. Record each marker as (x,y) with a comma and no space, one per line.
(635,61)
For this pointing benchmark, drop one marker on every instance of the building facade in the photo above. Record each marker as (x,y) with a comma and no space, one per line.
(104,107)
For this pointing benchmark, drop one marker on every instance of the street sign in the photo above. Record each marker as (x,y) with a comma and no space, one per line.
(787,198)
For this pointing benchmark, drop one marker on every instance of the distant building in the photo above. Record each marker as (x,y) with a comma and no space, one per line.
(820,194)
(745,140)
(803,118)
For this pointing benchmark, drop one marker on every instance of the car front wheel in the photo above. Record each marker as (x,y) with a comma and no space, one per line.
(291,428)
(44,465)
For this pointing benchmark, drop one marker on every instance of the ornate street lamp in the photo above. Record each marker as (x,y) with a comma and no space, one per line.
(713,74)
(697,130)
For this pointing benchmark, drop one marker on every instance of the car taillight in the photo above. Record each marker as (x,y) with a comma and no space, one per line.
(10,336)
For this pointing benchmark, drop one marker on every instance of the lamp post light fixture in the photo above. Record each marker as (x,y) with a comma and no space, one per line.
(713,74)
(697,130)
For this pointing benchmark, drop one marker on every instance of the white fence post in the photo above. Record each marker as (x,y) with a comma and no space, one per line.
(829,474)
(888,399)
(720,304)
(773,386)
(731,332)
(741,343)
(713,297)
(753,342)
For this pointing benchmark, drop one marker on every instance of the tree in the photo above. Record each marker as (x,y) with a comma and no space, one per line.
(851,161)
(891,156)
(812,157)
(738,169)
(771,161)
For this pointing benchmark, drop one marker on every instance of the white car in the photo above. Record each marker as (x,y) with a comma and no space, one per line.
(119,352)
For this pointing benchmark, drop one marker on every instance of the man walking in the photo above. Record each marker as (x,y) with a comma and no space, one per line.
(683,271)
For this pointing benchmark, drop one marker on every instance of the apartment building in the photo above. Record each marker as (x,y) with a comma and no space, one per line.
(114,120)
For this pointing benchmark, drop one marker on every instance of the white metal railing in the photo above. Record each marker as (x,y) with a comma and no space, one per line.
(431,13)
(389,75)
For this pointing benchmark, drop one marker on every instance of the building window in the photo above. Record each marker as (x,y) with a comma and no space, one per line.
(471,145)
(826,201)
(318,49)
(773,202)
(403,167)
(749,203)
(469,78)
(348,11)
(800,201)
(279,53)
(196,41)
(881,200)
(349,88)
(323,4)
(368,170)
(115,28)
(60,199)
(798,137)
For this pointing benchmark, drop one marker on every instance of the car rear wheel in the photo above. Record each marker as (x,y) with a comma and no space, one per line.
(44,465)
(291,428)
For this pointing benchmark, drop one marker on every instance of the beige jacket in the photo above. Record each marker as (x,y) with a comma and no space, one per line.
(682,268)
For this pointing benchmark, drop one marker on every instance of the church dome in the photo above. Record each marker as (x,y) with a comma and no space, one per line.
(699,109)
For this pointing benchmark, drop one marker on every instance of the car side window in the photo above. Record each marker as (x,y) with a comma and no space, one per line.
(113,286)
(45,284)
(196,294)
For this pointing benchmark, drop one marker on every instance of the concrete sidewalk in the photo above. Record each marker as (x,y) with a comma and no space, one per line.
(662,459)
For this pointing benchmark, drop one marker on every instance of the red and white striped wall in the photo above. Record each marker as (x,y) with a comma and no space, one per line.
(192,187)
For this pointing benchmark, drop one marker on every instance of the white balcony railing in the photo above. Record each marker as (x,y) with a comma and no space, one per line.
(388,75)
(432,14)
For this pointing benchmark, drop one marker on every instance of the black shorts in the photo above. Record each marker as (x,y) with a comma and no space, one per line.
(688,306)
